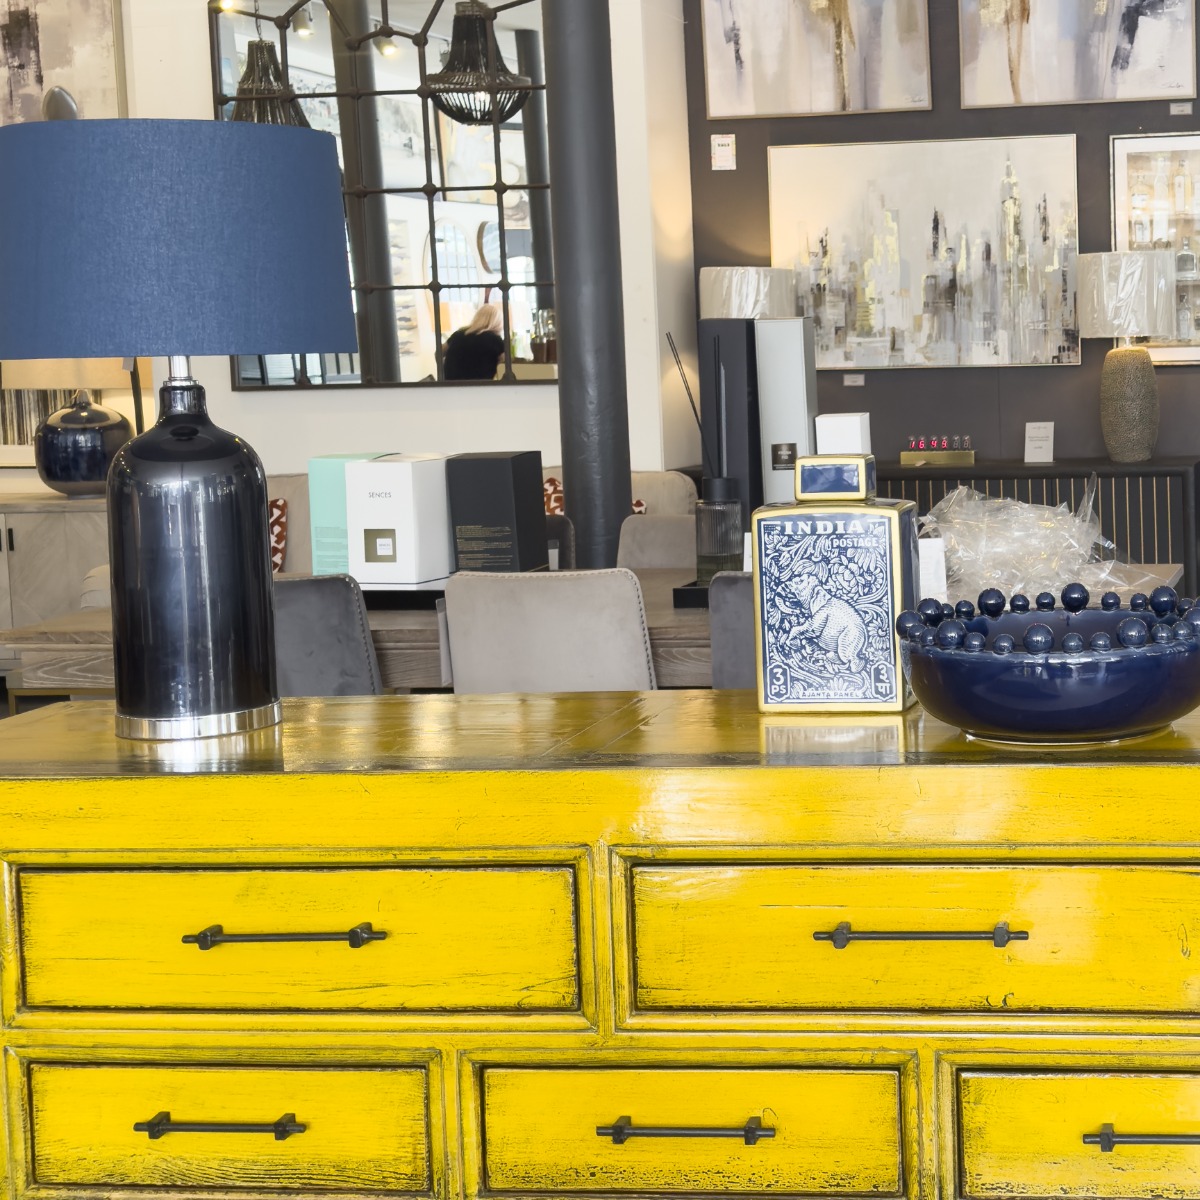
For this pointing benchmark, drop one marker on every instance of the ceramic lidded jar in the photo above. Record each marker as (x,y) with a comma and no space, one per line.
(831,575)
(74,446)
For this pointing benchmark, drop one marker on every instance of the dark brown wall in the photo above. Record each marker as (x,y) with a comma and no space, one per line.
(990,403)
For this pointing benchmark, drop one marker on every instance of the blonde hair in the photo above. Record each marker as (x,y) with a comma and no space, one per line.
(489,319)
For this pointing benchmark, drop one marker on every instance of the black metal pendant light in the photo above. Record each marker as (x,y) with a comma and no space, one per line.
(261,97)
(465,89)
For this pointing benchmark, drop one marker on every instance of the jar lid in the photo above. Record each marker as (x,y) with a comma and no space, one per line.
(719,489)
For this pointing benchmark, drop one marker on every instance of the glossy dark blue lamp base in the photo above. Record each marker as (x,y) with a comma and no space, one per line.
(74,447)
(1065,675)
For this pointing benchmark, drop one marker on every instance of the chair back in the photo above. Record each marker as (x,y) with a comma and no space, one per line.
(731,626)
(650,541)
(561,529)
(556,631)
(323,644)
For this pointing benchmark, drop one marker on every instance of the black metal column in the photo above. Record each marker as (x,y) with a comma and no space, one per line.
(537,162)
(366,216)
(587,257)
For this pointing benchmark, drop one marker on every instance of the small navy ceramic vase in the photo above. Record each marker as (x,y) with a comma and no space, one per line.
(74,446)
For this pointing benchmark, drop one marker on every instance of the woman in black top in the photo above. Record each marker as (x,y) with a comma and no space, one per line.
(474,351)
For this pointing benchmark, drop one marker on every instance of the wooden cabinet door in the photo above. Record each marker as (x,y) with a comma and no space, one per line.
(39,583)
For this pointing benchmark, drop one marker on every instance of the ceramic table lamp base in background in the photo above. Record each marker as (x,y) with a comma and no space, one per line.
(201,259)
(1129,404)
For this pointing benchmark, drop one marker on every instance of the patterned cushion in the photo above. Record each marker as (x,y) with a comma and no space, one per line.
(278,522)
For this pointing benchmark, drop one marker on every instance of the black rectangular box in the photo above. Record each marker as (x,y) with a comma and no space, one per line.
(497,511)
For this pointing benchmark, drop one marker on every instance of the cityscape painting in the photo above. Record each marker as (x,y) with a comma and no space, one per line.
(796,57)
(931,254)
(1071,52)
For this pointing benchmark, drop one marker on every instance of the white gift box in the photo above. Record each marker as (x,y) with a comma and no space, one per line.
(398,522)
(844,433)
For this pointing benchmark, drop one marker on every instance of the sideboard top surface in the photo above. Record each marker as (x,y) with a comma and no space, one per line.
(582,731)
(702,768)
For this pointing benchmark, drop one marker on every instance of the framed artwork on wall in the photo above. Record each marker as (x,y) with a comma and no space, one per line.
(1016,52)
(1156,206)
(931,254)
(72,44)
(815,56)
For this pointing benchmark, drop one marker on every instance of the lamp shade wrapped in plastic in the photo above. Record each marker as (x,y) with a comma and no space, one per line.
(747,292)
(1126,294)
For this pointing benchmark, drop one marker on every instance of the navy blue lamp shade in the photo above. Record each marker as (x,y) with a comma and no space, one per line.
(178,238)
(121,238)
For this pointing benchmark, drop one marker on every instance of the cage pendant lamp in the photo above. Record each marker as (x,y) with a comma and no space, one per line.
(261,97)
(465,89)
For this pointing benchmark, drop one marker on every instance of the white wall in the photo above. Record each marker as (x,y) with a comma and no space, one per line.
(167,69)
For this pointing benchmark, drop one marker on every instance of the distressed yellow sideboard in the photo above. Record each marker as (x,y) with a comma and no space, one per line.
(596,946)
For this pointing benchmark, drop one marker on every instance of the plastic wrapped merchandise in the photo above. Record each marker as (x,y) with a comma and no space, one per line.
(747,292)
(1026,548)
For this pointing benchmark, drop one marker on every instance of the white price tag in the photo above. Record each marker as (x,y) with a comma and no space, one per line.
(1039,441)
(724,152)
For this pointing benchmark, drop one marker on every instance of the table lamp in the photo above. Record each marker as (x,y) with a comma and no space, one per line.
(75,445)
(177,238)
(1125,295)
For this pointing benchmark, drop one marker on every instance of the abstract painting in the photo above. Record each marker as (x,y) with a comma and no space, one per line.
(1071,52)
(72,44)
(931,254)
(797,57)
(1156,206)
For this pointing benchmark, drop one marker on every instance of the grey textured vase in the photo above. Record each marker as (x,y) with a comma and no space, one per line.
(1128,404)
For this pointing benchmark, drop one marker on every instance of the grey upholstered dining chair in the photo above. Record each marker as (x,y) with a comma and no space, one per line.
(657,541)
(731,628)
(555,631)
(323,644)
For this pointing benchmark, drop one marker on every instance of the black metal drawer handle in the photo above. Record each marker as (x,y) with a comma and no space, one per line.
(843,935)
(161,1124)
(215,935)
(623,1128)
(1108,1139)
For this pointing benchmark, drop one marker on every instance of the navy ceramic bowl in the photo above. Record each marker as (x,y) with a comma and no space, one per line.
(1065,675)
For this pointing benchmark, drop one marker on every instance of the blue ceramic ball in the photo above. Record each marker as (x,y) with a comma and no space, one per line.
(950,634)
(907,621)
(1184,605)
(929,638)
(1110,602)
(991,602)
(1161,632)
(1003,644)
(1183,631)
(1101,642)
(947,612)
(1075,597)
(1072,643)
(1038,638)
(1133,632)
(964,610)
(1019,603)
(1163,600)
(974,642)
(1139,602)
(930,611)
(1045,602)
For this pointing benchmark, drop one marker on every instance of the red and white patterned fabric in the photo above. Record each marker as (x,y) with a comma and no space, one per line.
(278,522)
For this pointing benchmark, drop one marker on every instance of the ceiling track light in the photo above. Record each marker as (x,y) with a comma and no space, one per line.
(302,22)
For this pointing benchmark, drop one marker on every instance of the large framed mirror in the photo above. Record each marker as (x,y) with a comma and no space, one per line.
(445,178)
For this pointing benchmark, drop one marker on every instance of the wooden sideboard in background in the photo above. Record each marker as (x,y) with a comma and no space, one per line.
(49,543)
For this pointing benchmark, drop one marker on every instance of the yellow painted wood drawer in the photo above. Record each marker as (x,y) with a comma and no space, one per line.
(458,938)
(1110,938)
(1022,1134)
(364,1129)
(834,1132)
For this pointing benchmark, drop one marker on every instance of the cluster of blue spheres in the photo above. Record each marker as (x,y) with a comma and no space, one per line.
(1161,617)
